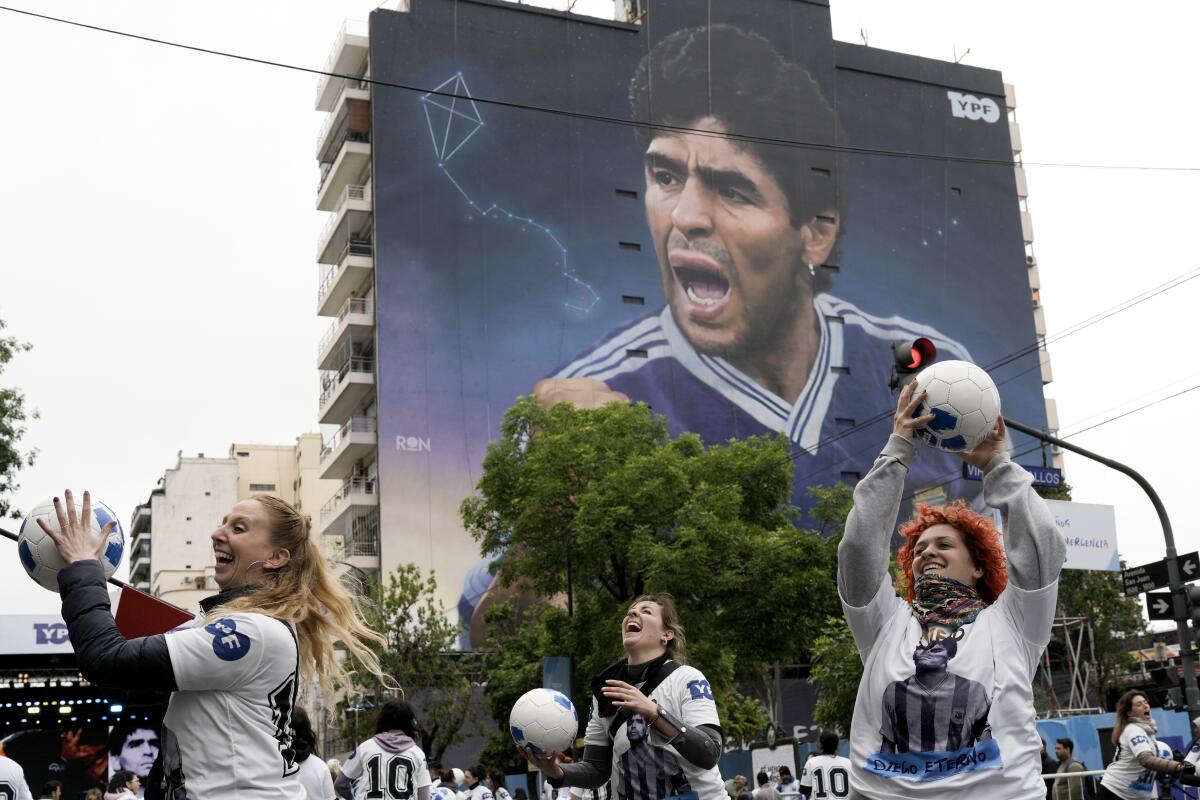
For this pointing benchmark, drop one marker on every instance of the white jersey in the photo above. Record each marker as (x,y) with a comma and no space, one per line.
(480,792)
(380,773)
(12,781)
(1125,777)
(826,777)
(645,767)
(1192,756)
(227,731)
(316,779)
(968,724)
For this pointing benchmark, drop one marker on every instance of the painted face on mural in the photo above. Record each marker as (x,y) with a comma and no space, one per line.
(733,267)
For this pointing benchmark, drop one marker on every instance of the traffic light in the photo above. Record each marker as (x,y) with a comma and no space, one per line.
(910,357)
(1193,604)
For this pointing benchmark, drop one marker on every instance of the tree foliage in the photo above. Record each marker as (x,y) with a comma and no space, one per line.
(13,415)
(420,657)
(637,511)
(836,672)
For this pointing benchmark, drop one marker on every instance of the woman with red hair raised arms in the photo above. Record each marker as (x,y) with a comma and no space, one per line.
(945,705)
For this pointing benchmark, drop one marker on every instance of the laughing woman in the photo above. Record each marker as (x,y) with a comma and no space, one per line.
(233,678)
(945,705)
(653,729)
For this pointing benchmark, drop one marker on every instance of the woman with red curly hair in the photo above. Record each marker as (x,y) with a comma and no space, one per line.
(949,650)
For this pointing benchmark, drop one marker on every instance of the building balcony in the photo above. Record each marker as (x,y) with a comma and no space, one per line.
(350,111)
(351,219)
(344,164)
(355,323)
(351,508)
(141,519)
(348,56)
(353,442)
(139,573)
(344,390)
(140,549)
(351,275)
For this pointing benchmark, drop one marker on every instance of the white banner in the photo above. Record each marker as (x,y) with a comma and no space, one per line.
(1090,532)
(23,634)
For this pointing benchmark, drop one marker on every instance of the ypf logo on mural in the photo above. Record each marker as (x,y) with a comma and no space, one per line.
(968,106)
(50,632)
(413,444)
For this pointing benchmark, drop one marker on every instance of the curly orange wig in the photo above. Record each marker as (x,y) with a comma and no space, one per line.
(979,535)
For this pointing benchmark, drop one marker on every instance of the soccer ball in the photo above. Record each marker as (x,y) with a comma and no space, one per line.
(39,555)
(964,402)
(545,721)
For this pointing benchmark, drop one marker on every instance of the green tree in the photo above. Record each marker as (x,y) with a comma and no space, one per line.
(637,511)
(13,415)
(420,660)
(1114,618)
(836,672)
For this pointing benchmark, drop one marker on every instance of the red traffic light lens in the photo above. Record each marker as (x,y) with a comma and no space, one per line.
(923,352)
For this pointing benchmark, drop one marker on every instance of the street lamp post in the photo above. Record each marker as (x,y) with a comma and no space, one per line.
(1191,693)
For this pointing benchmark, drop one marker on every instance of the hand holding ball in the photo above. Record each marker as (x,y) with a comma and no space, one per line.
(544,721)
(964,404)
(95,533)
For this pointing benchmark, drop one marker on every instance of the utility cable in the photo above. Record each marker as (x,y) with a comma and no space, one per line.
(600,118)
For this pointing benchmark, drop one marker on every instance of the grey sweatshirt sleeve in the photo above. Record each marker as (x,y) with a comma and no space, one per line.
(863,551)
(1035,548)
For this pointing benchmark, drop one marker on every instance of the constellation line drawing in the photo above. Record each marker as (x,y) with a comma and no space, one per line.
(463,121)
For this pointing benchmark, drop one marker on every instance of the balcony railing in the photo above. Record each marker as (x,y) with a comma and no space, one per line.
(353,305)
(351,192)
(353,425)
(332,379)
(347,83)
(329,156)
(351,27)
(355,246)
(349,486)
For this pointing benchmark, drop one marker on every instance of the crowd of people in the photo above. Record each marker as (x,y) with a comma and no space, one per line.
(233,727)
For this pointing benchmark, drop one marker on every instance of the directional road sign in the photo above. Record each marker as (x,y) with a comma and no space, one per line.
(1189,566)
(1145,578)
(1149,577)
(1158,605)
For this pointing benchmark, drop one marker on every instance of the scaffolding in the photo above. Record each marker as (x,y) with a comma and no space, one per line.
(1079,656)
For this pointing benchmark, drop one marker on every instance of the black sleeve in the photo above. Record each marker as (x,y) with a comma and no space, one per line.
(343,787)
(105,657)
(592,771)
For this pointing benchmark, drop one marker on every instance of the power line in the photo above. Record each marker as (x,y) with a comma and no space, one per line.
(1038,446)
(600,118)
(1003,361)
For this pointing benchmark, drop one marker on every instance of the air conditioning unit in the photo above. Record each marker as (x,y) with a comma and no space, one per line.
(201,582)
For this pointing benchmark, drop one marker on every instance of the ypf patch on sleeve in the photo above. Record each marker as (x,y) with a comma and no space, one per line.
(228,644)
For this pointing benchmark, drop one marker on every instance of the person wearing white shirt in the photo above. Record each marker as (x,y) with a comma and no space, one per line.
(1136,765)
(389,765)
(654,729)
(477,788)
(233,677)
(315,777)
(787,782)
(945,704)
(12,780)
(826,774)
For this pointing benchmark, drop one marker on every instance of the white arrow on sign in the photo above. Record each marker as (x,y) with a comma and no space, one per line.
(1160,606)
(1188,567)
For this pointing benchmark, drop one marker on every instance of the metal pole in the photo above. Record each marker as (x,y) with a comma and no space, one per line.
(1191,693)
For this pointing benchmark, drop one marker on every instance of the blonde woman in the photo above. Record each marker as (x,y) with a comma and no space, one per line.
(233,676)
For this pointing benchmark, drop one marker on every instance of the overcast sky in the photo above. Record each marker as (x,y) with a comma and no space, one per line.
(159,230)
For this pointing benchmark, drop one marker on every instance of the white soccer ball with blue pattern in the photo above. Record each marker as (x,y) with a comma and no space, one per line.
(964,402)
(545,721)
(39,555)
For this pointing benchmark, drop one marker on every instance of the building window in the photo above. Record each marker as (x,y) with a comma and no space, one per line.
(243,453)
(262,487)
